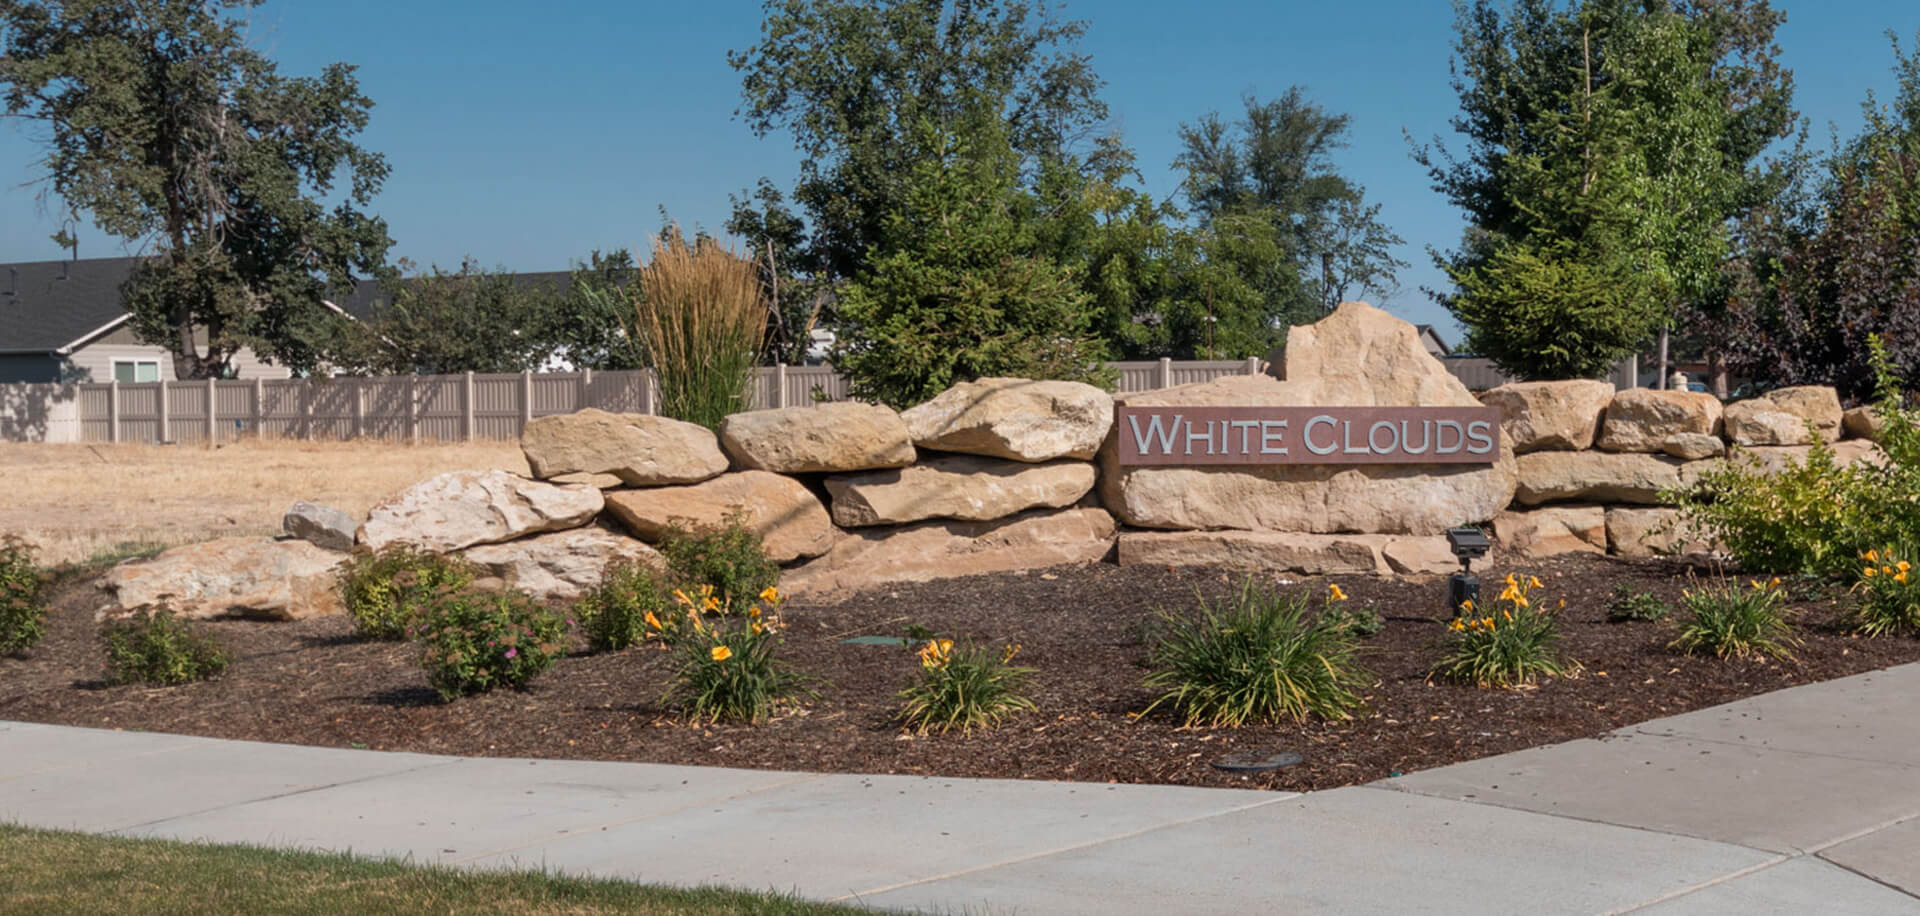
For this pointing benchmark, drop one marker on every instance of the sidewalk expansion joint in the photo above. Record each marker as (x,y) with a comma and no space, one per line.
(1704,885)
(1071,847)
(1572,817)
(287,794)
(1748,745)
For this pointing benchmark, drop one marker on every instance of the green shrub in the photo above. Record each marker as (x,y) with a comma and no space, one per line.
(1506,642)
(628,607)
(158,648)
(730,668)
(473,641)
(1889,596)
(1815,517)
(23,613)
(732,560)
(1631,604)
(964,686)
(1262,658)
(385,591)
(1740,622)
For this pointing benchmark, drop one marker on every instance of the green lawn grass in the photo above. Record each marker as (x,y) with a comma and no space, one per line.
(48,871)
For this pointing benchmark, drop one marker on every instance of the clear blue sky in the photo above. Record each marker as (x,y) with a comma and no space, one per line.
(526,134)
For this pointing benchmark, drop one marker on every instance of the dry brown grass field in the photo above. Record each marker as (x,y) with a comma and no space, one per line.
(78,501)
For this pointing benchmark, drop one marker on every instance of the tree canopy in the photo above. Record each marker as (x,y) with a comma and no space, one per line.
(166,130)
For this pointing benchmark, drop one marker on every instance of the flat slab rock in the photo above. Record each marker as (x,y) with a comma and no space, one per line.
(786,515)
(1552,531)
(940,550)
(564,565)
(1288,551)
(1643,419)
(833,437)
(637,449)
(1014,418)
(1598,477)
(963,487)
(258,578)
(464,508)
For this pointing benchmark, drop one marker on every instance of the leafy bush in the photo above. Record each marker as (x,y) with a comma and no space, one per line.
(732,560)
(730,669)
(473,641)
(965,686)
(1506,642)
(627,608)
(1262,658)
(1816,517)
(1739,622)
(23,615)
(1630,604)
(1889,597)
(158,648)
(386,591)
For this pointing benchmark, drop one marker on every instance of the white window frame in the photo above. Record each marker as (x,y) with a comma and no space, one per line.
(135,362)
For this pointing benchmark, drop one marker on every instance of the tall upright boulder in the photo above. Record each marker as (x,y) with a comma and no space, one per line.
(1359,356)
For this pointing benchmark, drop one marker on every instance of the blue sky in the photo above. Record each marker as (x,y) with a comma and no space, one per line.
(526,135)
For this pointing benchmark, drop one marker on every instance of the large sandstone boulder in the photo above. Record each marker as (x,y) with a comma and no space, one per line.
(640,450)
(1550,415)
(1365,360)
(1781,417)
(1376,358)
(252,577)
(938,550)
(1640,533)
(463,508)
(1015,418)
(1602,477)
(323,526)
(1862,422)
(561,566)
(962,487)
(1772,459)
(1551,532)
(786,515)
(1642,419)
(1694,446)
(831,437)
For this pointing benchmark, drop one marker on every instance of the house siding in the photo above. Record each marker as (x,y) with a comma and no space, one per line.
(94,362)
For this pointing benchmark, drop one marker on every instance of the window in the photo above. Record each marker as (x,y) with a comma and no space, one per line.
(132,371)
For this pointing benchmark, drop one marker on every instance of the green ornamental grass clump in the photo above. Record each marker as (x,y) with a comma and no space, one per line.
(155,647)
(23,610)
(1506,642)
(1264,657)
(385,591)
(1734,622)
(473,641)
(964,687)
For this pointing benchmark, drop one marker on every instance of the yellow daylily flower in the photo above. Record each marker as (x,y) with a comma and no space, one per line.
(653,621)
(1871,556)
(769,594)
(721,653)
(1868,573)
(1335,594)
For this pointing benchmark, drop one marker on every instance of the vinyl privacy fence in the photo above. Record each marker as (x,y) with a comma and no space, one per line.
(419,407)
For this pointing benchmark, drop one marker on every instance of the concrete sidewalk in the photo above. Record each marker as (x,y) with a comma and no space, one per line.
(1802,801)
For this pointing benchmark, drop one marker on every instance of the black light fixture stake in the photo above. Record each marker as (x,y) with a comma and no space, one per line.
(1467,544)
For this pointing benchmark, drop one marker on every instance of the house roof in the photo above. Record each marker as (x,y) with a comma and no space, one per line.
(49,306)
(1427,330)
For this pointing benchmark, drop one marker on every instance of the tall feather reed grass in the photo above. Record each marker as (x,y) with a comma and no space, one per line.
(701,322)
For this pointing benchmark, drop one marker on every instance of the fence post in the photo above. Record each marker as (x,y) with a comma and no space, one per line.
(306,409)
(413,408)
(359,409)
(780,385)
(166,420)
(466,407)
(113,411)
(649,392)
(259,408)
(586,390)
(526,400)
(1253,365)
(1166,373)
(213,413)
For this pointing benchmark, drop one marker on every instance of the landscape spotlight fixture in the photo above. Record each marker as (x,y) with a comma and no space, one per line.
(1468,545)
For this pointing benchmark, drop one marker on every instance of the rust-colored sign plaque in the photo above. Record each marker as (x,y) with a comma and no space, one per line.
(1307,435)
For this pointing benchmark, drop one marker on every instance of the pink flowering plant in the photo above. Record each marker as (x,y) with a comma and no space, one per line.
(472,641)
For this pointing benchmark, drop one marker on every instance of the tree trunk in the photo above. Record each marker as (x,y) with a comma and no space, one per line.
(1664,383)
(1717,381)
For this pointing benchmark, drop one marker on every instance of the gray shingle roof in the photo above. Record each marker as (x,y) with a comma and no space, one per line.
(46,305)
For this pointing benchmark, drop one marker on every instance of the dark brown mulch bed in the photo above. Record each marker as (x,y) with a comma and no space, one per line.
(1082,628)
